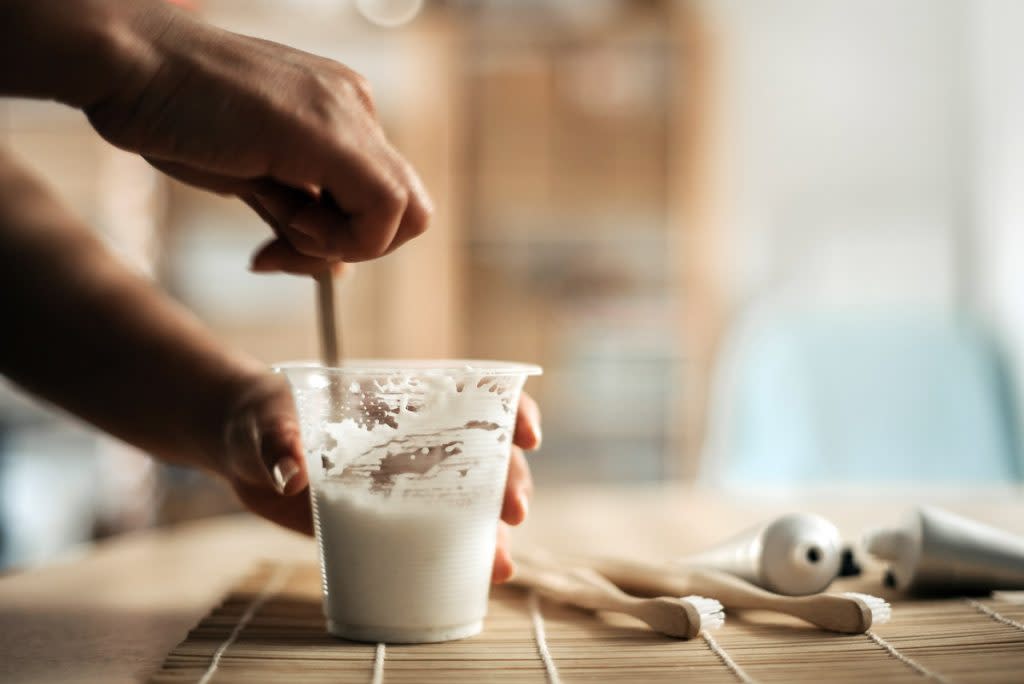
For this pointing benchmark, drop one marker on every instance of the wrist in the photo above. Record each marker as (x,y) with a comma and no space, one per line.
(228,399)
(80,55)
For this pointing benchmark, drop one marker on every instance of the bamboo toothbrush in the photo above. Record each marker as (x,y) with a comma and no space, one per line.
(849,612)
(682,618)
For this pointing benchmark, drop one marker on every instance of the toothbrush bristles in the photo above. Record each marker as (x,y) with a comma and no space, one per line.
(881,611)
(712,615)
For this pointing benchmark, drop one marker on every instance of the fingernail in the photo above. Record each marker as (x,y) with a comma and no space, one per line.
(524,503)
(284,471)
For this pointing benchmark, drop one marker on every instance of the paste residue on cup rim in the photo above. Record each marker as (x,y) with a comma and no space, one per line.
(401,432)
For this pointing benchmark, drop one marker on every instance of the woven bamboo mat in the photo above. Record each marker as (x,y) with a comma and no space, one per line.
(270,628)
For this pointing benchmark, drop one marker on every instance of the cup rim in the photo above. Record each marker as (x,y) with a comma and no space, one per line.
(430,367)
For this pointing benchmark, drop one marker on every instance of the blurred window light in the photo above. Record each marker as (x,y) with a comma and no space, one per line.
(824,396)
(389,13)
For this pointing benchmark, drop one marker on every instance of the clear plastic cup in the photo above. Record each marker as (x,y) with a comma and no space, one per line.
(407,465)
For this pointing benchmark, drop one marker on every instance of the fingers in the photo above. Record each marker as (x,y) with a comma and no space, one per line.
(264,447)
(343,192)
(519,486)
(371,207)
(279,256)
(503,567)
(291,252)
(381,201)
(528,433)
(513,511)
(372,200)
(518,489)
(418,210)
(278,205)
(353,228)
(293,512)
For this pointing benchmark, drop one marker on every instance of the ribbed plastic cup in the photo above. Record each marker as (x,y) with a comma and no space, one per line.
(407,464)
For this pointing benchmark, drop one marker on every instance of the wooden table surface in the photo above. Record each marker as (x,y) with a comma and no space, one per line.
(112,612)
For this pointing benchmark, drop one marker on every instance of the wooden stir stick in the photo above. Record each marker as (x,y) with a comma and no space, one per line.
(330,344)
(330,339)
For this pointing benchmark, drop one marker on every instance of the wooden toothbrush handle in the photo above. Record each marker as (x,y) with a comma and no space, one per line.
(829,611)
(573,588)
(641,578)
(585,588)
(734,592)
(650,579)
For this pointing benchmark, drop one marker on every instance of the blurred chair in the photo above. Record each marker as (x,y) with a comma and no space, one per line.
(806,398)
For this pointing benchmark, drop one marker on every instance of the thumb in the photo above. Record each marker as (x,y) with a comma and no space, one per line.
(264,445)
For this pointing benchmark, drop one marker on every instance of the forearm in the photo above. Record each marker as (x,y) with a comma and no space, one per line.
(83,331)
(77,51)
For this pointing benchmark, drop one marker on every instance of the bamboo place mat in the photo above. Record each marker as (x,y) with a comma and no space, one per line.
(271,628)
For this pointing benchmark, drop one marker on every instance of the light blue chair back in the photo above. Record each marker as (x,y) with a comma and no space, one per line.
(816,399)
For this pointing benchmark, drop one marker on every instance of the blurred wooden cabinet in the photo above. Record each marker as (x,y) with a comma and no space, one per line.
(590,242)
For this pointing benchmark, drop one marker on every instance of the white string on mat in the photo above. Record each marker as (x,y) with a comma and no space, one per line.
(378,665)
(539,636)
(272,586)
(726,659)
(995,615)
(905,659)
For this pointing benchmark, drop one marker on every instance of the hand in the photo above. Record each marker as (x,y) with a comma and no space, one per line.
(293,135)
(264,463)
(519,486)
(263,455)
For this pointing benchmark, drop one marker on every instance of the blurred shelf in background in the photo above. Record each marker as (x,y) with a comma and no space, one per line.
(577,215)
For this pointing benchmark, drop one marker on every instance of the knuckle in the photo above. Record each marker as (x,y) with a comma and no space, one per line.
(322,103)
(391,201)
(347,87)
(330,93)
(363,88)
(392,198)
(419,219)
(357,85)
(418,208)
(416,224)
